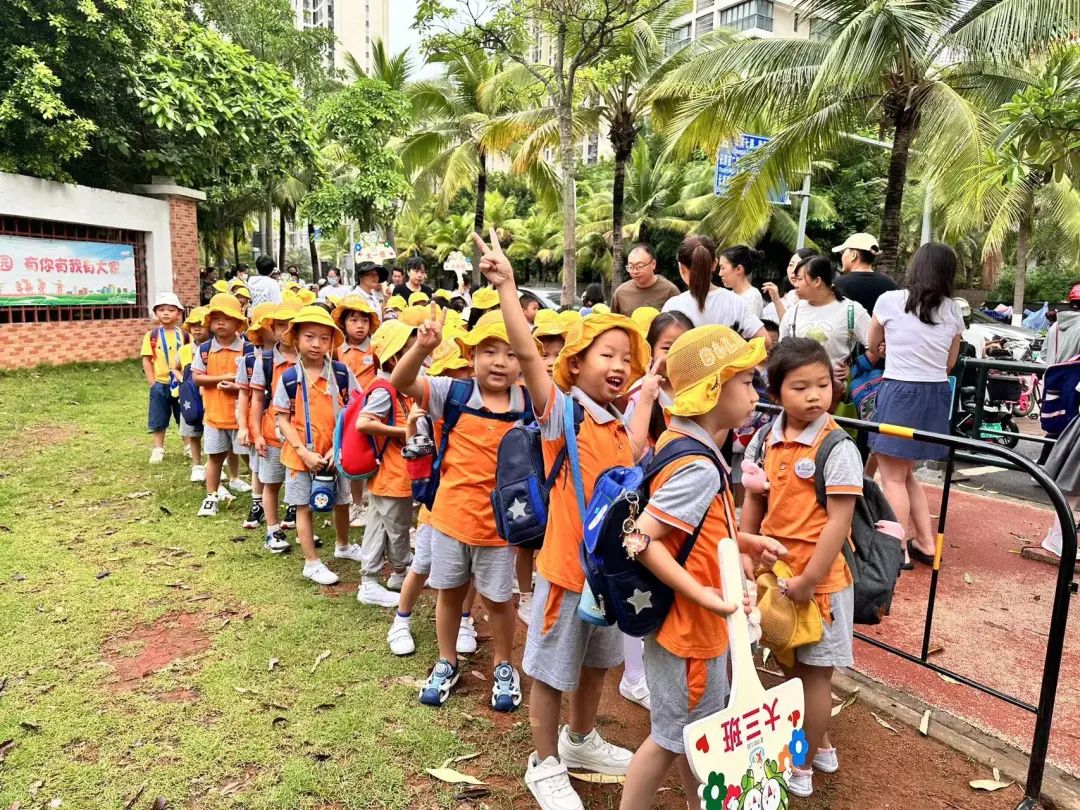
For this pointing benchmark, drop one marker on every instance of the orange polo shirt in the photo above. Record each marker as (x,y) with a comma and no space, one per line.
(391,480)
(361,362)
(324,402)
(268,424)
(219,407)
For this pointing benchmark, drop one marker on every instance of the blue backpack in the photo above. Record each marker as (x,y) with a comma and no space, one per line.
(456,404)
(522,489)
(191,404)
(865,383)
(341,377)
(1061,400)
(627,592)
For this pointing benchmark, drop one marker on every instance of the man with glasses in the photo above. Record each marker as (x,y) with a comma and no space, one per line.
(645,288)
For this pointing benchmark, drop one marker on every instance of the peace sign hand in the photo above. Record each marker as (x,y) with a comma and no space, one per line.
(429,335)
(651,382)
(493,262)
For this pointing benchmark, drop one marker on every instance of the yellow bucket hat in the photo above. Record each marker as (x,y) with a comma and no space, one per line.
(445,295)
(306,297)
(447,355)
(221,286)
(261,316)
(569,318)
(242,290)
(355,303)
(485,298)
(785,625)
(293,286)
(396,302)
(334,298)
(227,305)
(313,314)
(419,297)
(643,317)
(390,338)
(287,309)
(581,336)
(490,326)
(600,309)
(548,324)
(452,320)
(701,360)
(196,315)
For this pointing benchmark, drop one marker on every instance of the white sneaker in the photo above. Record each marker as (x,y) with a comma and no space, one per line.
(549,783)
(319,573)
(371,592)
(157,455)
(198,473)
(187,451)
(277,543)
(240,485)
(826,761)
(349,552)
(209,506)
(224,495)
(525,608)
(400,637)
(357,515)
(466,636)
(801,782)
(636,692)
(593,754)
(395,580)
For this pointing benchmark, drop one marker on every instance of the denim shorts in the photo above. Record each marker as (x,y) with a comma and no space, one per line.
(163,405)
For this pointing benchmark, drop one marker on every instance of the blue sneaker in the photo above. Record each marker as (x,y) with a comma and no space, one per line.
(506,688)
(444,677)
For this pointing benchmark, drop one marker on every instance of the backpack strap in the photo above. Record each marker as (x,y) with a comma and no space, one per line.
(570,443)
(455,405)
(268,374)
(763,435)
(831,441)
(204,353)
(341,377)
(560,458)
(383,385)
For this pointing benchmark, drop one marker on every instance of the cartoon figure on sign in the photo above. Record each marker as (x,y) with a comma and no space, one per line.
(756,725)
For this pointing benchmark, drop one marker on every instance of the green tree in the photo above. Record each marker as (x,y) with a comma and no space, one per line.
(394,71)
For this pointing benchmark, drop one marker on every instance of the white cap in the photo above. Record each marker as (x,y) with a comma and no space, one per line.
(965,307)
(859,241)
(166,299)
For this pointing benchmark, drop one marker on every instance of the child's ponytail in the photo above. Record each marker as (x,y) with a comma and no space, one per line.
(698,255)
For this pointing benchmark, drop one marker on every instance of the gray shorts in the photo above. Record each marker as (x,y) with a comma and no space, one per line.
(386,537)
(557,656)
(834,649)
(421,561)
(190,431)
(269,468)
(490,567)
(666,675)
(298,489)
(216,441)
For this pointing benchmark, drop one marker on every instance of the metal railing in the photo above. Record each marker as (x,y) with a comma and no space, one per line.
(983,367)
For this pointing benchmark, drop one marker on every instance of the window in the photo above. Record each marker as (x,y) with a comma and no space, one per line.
(751,14)
(704,24)
(678,38)
(592,154)
(704,4)
(822,30)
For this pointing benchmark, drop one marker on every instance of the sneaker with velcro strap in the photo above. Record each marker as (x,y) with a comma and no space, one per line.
(444,677)
(505,688)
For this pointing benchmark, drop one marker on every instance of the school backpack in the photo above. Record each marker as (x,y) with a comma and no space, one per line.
(522,488)
(864,385)
(1061,400)
(356,455)
(876,558)
(267,358)
(457,403)
(191,404)
(627,592)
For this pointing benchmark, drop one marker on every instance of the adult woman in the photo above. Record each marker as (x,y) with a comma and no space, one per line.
(779,304)
(705,303)
(737,265)
(921,327)
(821,314)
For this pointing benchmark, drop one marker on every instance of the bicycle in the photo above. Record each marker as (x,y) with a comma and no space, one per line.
(1030,402)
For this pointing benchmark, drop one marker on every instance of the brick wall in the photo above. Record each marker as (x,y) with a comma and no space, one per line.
(23,345)
(184,234)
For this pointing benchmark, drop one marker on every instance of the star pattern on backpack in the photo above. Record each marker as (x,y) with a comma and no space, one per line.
(517,510)
(640,600)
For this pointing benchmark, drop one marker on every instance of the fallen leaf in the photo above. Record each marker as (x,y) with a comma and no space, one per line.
(3,683)
(55,803)
(319,659)
(165,510)
(131,802)
(180,586)
(5,748)
(279,721)
(160,803)
(451,760)
(34,788)
(768,671)
(200,598)
(472,793)
(935,649)
(989,784)
(224,624)
(320,757)
(598,778)
(273,663)
(102,574)
(5,528)
(452,777)
(947,679)
(924,724)
(140,494)
(468,717)
(322,707)
(17,577)
(477,675)
(28,726)
(847,702)
(968,578)
(884,724)
(238,539)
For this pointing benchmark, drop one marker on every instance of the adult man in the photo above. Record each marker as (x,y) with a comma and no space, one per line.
(415,283)
(264,288)
(369,280)
(645,288)
(860,281)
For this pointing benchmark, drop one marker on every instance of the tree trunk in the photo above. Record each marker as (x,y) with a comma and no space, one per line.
(235,247)
(568,163)
(478,220)
(991,266)
(889,237)
(281,238)
(1023,238)
(623,134)
(313,248)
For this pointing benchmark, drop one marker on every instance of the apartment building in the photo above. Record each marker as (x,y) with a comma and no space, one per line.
(355,24)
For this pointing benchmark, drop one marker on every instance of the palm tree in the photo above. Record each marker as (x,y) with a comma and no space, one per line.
(536,238)
(918,70)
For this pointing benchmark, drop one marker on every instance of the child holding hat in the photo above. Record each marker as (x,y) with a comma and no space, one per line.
(160,350)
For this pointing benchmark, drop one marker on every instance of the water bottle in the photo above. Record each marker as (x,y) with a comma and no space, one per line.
(589,609)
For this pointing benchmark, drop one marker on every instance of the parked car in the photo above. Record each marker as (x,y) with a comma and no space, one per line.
(1018,340)
(549,296)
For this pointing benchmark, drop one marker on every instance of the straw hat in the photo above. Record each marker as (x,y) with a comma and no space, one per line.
(355,303)
(785,625)
(581,336)
(701,360)
(317,315)
(485,298)
(447,355)
(227,305)
(390,338)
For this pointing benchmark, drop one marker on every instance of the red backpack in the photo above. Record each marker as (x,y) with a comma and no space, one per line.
(356,455)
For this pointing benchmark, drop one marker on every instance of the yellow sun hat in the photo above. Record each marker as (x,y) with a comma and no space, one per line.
(334,298)
(396,302)
(491,326)
(221,286)
(236,281)
(452,320)
(547,323)
(447,356)
(569,318)
(600,309)
(355,303)
(242,290)
(581,336)
(390,338)
(701,360)
(485,298)
(418,297)
(287,309)
(227,305)
(196,315)
(785,625)
(261,316)
(445,295)
(317,315)
(293,286)
(306,297)
(643,317)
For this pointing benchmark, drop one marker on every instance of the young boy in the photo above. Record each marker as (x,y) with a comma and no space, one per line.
(306,416)
(216,374)
(160,350)
(192,432)
(603,355)
(384,417)
(531,306)
(265,442)
(465,544)
(258,335)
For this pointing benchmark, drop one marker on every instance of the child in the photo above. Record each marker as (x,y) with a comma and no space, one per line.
(265,442)
(800,380)
(464,541)
(261,336)
(216,374)
(192,432)
(394,305)
(390,490)
(160,349)
(306,421)
(531,306)
(602,356)
(711,372)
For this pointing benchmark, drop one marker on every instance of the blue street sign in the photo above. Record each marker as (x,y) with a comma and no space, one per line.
(728,156)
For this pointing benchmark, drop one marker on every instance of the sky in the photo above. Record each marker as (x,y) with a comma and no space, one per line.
(402,13)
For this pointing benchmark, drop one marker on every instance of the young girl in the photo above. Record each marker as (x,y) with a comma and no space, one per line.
(357,320)
(801,381)
(736,266)
(711,370)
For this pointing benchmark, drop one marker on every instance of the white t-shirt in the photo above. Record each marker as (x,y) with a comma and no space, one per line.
(721,307)
(263,289)
(917,351)
(755,304)
(828,325)
(788,300)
